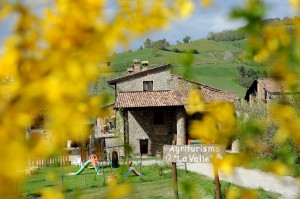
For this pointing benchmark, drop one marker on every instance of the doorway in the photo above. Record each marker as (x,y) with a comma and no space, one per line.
(144,147)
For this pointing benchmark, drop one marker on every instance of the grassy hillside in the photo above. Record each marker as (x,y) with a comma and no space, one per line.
(209,51)
(220,75)
(215,65)
(204,45)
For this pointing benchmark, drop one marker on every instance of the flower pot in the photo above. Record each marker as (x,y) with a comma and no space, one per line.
(112,179)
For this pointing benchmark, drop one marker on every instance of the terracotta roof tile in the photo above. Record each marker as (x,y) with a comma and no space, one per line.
(148,99)
(270,85)
(221,95)
(167,98)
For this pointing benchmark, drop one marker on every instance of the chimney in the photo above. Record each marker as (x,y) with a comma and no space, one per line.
(130,70)
(136,63)
(145,65)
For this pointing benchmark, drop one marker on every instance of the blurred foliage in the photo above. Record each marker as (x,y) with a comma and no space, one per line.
(270,129)
(52,54)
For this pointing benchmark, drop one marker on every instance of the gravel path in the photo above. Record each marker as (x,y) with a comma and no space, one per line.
(288,187)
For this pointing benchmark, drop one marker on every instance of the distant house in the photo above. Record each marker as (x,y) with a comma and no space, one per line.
(151,106)
(266,89)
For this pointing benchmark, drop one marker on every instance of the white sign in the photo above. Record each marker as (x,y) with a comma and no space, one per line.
(201,153)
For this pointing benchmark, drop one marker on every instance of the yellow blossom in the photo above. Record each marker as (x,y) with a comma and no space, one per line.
(237,193)
(206,3)
(52,193)
(195,102)
(295,3)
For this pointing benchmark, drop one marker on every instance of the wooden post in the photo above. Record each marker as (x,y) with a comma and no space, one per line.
(174,172)
(217,182)
(175,184)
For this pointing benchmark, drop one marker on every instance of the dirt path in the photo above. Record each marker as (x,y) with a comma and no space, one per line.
(287,186)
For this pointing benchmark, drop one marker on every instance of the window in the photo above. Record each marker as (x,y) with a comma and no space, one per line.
(148,86)
(158,117)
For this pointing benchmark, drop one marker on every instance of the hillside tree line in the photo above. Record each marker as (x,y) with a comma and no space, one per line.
(227,35)
(247,76)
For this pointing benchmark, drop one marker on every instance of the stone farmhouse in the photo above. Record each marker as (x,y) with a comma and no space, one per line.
(151,104)
(267,89)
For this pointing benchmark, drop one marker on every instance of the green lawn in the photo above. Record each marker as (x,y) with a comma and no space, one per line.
(156,182)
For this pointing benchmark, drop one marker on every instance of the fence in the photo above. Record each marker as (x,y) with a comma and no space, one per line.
(55,160)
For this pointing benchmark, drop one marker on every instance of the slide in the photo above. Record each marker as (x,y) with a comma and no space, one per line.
(81,169)
(133,171)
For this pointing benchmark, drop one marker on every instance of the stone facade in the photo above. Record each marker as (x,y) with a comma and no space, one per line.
(180,124)
(150,122)
(142,127)
(261,92)
(161,81)
(151,107)
(177,83)
(138,124)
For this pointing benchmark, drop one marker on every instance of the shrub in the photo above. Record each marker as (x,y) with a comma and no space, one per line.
(194,51)
(176,50)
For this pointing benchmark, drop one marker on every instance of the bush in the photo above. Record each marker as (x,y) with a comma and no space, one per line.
(194,51)
(256,132)
(175,50)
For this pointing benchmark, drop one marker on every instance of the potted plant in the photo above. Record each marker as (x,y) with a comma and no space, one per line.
(112,178)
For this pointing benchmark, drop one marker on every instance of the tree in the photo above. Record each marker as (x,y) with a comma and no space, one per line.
(186,39)
(162,44)
(155,50)
(178,42)
(148,43)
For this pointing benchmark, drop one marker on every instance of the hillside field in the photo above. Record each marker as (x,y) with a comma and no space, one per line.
(215,64)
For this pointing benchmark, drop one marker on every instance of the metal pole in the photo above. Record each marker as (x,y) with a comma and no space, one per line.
(103,175)
(141,167)
(84,180)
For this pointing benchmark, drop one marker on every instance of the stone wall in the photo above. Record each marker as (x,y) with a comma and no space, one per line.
(140,124)
(160,80)
(120,119)
(141,127)
(176,83)
(261,93)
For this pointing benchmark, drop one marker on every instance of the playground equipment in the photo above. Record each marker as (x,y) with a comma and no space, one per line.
(133,169)
(92,160)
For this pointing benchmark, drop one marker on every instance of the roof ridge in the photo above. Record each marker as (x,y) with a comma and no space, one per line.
(138,73)
(144,91)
